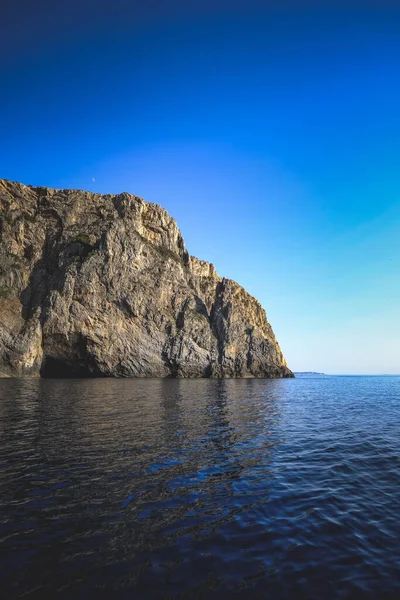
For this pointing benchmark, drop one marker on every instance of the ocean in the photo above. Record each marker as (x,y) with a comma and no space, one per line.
(146,488)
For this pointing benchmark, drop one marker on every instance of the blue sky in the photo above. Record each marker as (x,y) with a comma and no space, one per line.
(270,131)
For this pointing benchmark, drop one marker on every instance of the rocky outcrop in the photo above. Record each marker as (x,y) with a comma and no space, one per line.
(102,285)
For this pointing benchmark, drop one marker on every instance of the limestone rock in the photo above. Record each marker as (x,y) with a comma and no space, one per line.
(102,285)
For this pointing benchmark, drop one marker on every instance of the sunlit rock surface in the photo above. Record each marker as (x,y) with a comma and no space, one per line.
(102,285)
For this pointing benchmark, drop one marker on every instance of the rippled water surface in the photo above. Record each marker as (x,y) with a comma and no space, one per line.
(200,489)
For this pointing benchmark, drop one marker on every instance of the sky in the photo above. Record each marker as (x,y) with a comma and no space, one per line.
(269,130)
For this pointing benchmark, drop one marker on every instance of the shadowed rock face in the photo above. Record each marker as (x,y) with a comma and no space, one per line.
(94,285)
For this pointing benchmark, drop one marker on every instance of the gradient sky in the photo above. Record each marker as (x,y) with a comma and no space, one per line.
(269,130)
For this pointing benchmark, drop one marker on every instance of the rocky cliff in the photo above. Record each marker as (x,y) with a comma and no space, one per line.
(102,285)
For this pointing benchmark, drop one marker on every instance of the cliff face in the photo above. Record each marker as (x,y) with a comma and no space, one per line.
(102,285)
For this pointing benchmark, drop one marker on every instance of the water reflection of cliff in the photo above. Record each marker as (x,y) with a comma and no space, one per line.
(169,416)
(136,467)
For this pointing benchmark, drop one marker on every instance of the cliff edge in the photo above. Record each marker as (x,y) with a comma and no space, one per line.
(102,285)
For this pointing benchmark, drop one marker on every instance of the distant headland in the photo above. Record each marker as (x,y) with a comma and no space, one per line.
(302,373)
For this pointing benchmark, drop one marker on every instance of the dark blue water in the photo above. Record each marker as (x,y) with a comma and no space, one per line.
(200,489)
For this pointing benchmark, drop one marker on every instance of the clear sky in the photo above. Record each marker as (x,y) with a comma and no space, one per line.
(269,130)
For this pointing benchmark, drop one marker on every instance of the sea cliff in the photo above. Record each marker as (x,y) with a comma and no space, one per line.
(102,285)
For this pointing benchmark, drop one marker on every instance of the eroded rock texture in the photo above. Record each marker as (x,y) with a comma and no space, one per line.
(102,285)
